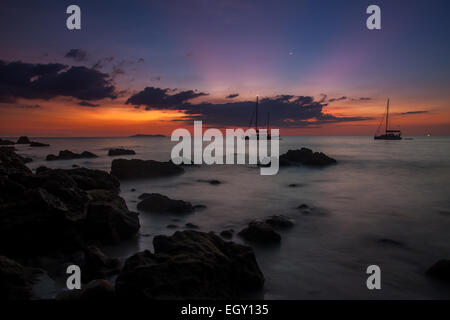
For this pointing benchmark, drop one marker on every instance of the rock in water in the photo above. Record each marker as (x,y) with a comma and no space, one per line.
(440,270)
(14,283)
(69,155)
(120,152)
(58,210)
(137,169)
(23,140)
(190,265)
(260,232)
(6,142)
(155,202)
(38,144)
(279,221)
(306,157)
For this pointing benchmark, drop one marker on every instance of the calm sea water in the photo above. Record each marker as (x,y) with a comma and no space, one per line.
(397,190)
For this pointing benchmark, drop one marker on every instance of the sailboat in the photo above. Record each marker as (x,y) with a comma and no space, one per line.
(256,123)
(389,134)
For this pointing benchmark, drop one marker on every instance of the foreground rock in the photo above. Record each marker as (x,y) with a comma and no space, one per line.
(307,157)
(440,270)
(279,221)
(96,290)
(14,282)
(58,210)
(137,169)
(23,140)
(260,232)
(190,265)
(69,155)
(155,202)
(38,144)
(120,152)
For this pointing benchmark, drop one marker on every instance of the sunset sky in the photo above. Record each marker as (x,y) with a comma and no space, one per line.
(153,66)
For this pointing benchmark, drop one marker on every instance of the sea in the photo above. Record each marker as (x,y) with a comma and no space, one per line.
(385,203)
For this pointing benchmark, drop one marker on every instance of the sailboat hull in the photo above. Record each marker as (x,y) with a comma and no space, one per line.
(388,137)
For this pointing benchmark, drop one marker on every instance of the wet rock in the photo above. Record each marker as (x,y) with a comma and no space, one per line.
(260,232)
(139,169)
(227,234)
(23,140)
(120,152)
(172,226)
(133,190)
(191,226)
(69,155)
(98,265)
(199,207)
(14,282)
(440,270)
(190,265)
(155,202)
(306,157)
(6,142)
(108,218)
(75,166)
(279,221)
(303,206)
(96,290)
(213,181)
(58,210)
(38,144)
(390,242)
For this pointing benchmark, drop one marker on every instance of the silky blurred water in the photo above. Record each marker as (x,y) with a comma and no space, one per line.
(396,190)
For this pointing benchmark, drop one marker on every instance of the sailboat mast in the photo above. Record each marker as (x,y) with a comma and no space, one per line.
(268,119)
(256,121)
(387,115)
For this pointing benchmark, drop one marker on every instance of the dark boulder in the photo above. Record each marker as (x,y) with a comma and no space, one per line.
(98,265)
(440,270)
(190,225)
(227,234)
(108,218)
(260,232)
(57,211)
(96,290)
(69,155)
(120,152)
(23,140)
(14,280)
(190,265)
(155,202)
(137,169)
(38,144)
(305,157)
(279,221)
(213,181)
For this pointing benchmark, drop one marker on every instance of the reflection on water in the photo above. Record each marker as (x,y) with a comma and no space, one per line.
(385,203)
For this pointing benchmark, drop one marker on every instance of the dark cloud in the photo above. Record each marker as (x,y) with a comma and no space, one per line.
(286,111)
(365,99)
(337,99)
(46,81)
(157,98)
(233,95)
(88,104)
(414,112)
(102,62)
(77,55)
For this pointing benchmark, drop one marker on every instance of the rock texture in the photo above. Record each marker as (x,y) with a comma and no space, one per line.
(137,169)
(14,282)
(190,264)
(69,155)
(306,157)
(155,202)
(260,232)
(120,152)
(58,210)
